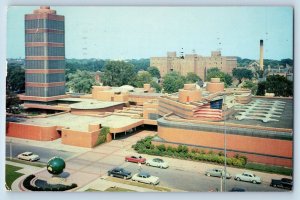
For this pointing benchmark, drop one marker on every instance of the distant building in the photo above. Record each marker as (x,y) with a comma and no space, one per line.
(286,71)
(44,57)
(194,63)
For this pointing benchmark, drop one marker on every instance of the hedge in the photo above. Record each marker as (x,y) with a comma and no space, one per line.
(27,185)
(145,146)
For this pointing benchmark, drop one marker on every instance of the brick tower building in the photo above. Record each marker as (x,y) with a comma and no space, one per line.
(44,58)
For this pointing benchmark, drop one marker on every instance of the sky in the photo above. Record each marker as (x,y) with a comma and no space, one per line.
(143,32)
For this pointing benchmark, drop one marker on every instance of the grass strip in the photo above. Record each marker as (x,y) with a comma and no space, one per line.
(118,189)
(11,175)
(130,182)
(270,168)
(35,164)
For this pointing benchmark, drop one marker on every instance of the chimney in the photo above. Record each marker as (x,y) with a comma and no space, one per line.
(261,56)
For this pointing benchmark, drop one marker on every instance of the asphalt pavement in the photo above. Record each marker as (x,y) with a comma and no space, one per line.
(44,153)
(196,182)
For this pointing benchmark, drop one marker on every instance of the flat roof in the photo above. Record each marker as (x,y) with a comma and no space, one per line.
(283,116)
(81,103)
(80,122)
(94,104)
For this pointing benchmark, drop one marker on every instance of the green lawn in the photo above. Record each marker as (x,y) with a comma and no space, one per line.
(92,190)
(269,168)
(35,164)
(118,189)
(11,175)
(130,182)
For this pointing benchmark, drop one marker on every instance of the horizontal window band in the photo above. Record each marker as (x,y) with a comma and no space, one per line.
(45,58)
(44,44)
(44,71)
(53,84)
(44,30)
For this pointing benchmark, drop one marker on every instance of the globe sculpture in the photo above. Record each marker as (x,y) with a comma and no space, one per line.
(56,165)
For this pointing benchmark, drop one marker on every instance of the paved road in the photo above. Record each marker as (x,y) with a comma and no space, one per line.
(44,153)
(85,168)
(195,182)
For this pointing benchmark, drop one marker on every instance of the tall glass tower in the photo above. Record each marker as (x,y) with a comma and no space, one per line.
(44,57)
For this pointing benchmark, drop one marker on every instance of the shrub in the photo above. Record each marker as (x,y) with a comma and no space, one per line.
(182,151)
(210,152)
(221,153)
(161,147)
(237,162)
(171,149)
(27,185)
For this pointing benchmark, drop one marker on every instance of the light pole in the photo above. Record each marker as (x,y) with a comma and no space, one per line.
(10,149)
(225,164)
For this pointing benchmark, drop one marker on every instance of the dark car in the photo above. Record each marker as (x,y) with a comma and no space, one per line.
(237,189)
(120,173)
(282,183)
(135,159)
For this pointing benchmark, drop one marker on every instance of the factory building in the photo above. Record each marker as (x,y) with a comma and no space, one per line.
(194,63)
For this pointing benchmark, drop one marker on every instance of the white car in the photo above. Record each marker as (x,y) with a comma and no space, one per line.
(157,162)
(247,176)
(144,177)
(29,156)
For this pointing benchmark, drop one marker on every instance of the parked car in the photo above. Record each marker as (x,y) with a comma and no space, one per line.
(145,177)
(282,183)
(237,189)
(247,176)
(29,156)
(120,173)
(157,162)
(217,173)
(135,159)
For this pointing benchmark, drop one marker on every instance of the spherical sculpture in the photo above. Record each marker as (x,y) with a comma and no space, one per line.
(56,165)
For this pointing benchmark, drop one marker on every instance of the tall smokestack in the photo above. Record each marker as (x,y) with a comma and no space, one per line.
(261,56)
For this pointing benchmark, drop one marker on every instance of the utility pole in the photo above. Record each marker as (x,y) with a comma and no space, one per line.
(221,188)
(225,151)
(10,149)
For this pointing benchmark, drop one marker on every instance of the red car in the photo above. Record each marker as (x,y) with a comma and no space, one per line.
(135,159)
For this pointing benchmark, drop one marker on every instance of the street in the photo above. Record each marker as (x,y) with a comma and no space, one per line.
(195,182)
(44,153)
(185,175)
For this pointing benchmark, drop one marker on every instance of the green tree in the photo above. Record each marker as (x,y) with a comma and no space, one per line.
(142,78)
(241,73)
(12,102)
(156,86)
(118,73)
(81,81)
(279,85)
(191,77)
(172,82)
(261,89)
(216,73)
(251,86)
(154,71)
(15,80)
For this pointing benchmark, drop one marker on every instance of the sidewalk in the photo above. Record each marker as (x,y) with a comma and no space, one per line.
(55,144)
(102,184)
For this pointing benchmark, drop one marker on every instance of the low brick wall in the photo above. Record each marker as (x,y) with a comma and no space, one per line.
(27,131)
(269,160)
